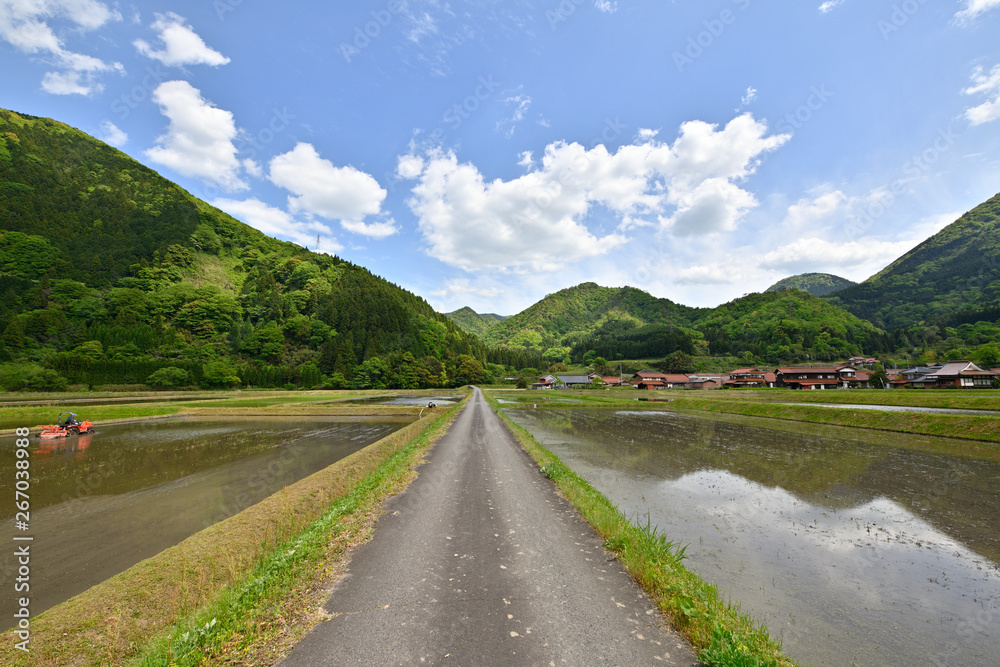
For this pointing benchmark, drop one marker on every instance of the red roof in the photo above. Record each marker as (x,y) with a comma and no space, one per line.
(676,378)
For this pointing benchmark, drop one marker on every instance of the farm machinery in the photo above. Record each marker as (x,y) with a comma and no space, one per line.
(67,425)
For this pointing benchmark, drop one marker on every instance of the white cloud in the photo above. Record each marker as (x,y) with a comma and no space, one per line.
(719,273)
(409,166)
(275,222)
(646,134)
(68,82)
(25,24)
(461,287)
(537,221)
(606,6)
(973,8)
(988,84)
(829,6)
(810,211)
(336,193)
(112,134)
(182,46)
(199,139)
(521,103)
(526,160)
(749,97)
(820,255)
(375,230)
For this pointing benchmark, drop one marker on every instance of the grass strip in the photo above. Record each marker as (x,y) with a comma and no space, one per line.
(243,572)
(14,417)
(965,427)
(719,632)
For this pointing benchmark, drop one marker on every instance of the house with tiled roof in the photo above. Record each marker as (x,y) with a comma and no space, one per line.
(648,379)
(750,377)
(961,374)
(826,377)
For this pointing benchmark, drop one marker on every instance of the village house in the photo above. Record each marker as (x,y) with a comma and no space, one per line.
(613,381)
(961,374)
(750,377)
(547,382)
(706,381)
(576,381)
(831,377)
(858,362)
(655,380)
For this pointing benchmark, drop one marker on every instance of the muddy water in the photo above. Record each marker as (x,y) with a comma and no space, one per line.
(851,548)
(101,503)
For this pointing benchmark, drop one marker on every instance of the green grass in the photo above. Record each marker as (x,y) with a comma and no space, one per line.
(721,634)
(32,416)
(260,574)
(242,621)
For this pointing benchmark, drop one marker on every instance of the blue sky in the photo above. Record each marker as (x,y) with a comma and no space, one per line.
(489,153)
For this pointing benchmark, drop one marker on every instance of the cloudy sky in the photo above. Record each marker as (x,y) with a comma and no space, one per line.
(486,153)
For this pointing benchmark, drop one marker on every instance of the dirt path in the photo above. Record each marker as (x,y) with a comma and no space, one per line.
(481,562)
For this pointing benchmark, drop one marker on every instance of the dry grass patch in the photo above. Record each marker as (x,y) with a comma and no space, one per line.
(112,622)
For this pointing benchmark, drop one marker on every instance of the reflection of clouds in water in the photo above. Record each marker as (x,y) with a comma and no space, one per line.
(871,564)
(848,575)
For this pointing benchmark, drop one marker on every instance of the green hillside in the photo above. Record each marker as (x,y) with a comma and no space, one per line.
(474,323)
(566,318)
(112,275)
(956,272)
(817,284)
(787,326)
(626,323)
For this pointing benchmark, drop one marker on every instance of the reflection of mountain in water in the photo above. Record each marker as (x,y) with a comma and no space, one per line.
(826,466)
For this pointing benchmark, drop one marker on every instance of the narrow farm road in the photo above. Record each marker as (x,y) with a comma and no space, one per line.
(481,562)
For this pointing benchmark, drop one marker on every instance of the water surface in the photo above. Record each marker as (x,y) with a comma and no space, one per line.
(102,502)
(851,548)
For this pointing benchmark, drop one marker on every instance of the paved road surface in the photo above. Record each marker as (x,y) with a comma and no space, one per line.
(480,562)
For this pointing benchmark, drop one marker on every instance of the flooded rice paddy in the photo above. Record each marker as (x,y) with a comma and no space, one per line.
(851,548)
(102,502)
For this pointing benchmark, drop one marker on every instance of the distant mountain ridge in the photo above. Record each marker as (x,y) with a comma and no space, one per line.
(955,271)
(817,284)
(475,323)
(625,322)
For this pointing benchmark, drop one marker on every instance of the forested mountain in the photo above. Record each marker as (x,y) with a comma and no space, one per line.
(111,274)
(563,319)
(955,274)
(817,284)
(589,321)
(475,323)
(789,325)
